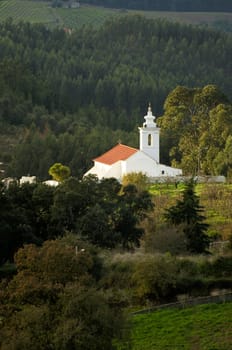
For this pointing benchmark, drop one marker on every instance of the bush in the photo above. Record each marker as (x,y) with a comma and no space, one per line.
(217,267)
(155,278)
(165,239)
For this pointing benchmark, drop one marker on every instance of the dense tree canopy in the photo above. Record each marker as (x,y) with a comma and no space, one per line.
(65,98)
(197,125)
(104,213)
(167,5)
(52,302)
(66,93)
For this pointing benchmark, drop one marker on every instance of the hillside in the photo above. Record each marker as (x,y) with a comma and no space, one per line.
(42,12)
(88,251)
(214,198)
(167,5)
(201,327)
(58,87)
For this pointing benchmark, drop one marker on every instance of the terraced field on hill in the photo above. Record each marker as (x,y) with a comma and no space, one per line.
(42,12)
(31,11)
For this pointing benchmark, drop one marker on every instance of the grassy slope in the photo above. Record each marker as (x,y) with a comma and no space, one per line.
(41,12)
(204,327)
(215,198)
(31,11)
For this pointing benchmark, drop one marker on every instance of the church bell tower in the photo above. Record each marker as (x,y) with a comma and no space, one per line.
(149,136)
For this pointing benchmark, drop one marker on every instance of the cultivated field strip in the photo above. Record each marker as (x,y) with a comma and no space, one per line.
(31,11)
(74,18)
(42,12)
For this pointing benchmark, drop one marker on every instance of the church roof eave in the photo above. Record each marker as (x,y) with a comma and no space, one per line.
(115,154)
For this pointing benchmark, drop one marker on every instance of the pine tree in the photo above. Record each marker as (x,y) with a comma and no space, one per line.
(188,213)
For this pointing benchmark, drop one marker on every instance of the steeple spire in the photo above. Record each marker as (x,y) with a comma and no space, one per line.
(149,136)
(149,118)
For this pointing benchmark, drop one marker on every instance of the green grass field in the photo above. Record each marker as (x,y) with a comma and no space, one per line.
(31,11)
(42,12)
(203,327)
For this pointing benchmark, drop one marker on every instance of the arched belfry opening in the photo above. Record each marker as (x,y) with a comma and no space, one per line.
(123,159)
(149,136)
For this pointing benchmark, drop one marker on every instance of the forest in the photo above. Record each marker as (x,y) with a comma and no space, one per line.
(167,5)
(76,259)
(68,97)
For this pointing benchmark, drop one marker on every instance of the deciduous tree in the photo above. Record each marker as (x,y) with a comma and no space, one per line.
(53,303)
(59,172)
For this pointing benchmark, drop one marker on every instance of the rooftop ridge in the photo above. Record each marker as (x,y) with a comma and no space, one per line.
(118,152)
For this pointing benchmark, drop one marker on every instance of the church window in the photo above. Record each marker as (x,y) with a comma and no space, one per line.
(149,140)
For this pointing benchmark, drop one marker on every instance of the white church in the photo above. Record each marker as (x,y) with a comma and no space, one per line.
(121,159)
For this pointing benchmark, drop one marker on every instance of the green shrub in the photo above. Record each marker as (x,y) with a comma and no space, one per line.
(154,278)
(219,267)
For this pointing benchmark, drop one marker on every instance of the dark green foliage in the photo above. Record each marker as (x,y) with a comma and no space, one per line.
(155,278)
(24,216)
(195,126)
(219,267)
(97,225)
(98,211)
(70,96)
(167,5)
(187,213)
(52,302)
(134,207)
(71,201)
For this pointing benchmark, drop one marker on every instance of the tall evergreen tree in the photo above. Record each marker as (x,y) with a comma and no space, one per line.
(188,213)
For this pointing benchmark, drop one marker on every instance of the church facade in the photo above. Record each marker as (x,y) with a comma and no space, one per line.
(121,159)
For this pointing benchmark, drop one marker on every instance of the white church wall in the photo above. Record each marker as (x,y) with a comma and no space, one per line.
(99,169)
(151,149)
(141,162)
(105,171)
(137,163)
(114,171)
(169,171)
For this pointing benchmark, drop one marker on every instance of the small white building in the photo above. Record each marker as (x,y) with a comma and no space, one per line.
(52,183)
(27,179)
(121,159)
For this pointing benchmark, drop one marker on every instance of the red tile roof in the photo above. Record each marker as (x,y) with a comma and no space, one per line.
(118,152)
